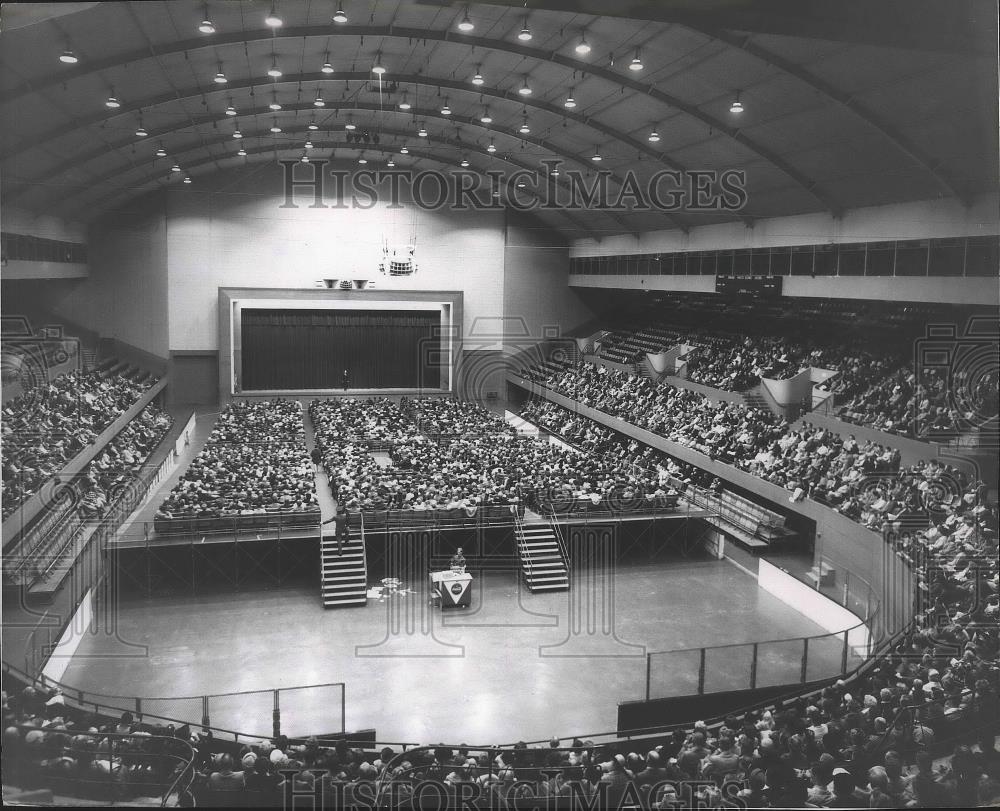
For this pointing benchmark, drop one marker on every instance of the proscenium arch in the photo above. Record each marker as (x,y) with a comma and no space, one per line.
(390,31)
(682,222)
(145,184)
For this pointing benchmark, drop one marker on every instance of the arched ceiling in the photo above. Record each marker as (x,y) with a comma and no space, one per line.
(840,112)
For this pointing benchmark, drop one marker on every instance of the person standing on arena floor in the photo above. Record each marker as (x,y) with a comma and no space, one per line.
(346,380)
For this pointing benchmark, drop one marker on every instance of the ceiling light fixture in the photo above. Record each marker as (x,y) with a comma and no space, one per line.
(524,129)
(596,157)
(312,125)
(242,152)
(477,78)
(378,68)
(350,125)
(304,159)
(161,152)
(274,105)
(272,19)
(466,24)
(390,163)
(237,133)
(220,77)
(187,179)
(486,118)
(68,57)
(636,63)
(318,102)
(465,163)
(308,145)
(737,105)
(403,103)
(275,128)
(140,131)
(362,160)
(446,110)
(525,34)
(583,47)
(422,132)
(339,16)
(206,26)
(230,110)
(570,101)
(175,168)
(404,151)
(492,147)
(112,101)
(524,89)
(327,67)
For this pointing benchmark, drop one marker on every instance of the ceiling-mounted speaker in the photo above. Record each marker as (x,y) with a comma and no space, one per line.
(330,283)
(360,284)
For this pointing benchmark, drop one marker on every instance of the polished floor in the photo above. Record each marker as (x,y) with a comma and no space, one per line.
(512,666)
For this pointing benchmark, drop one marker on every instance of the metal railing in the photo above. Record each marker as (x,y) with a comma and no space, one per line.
(113,767)
(769,663)
(303,704)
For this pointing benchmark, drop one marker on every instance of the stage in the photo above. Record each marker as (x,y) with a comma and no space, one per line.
(505,669)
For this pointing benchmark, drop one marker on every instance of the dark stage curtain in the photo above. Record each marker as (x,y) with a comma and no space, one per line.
(310,349)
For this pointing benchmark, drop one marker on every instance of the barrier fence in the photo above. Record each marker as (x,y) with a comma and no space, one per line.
(771,663)
(297,711)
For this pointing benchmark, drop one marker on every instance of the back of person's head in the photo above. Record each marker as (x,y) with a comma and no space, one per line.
(843,782)
(225,762)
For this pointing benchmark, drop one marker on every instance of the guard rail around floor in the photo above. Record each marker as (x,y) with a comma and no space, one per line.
(776,662)
(291,708)
(103,766)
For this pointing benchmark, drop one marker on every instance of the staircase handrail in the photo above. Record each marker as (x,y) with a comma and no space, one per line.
(563,548)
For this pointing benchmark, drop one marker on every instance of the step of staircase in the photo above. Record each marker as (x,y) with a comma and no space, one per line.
(344,572)
(540,558)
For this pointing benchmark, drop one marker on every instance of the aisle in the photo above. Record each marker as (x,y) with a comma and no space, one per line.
(327,503)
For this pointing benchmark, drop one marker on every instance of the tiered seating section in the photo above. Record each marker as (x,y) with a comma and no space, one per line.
(47,426)
(736,344)
(474,462)
(50,745)
(254,472)
(81,503)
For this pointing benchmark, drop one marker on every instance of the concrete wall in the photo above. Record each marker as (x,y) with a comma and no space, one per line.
(916,220)
(125,296)
(537,300)
(19,221)
(934,290)
(231,231)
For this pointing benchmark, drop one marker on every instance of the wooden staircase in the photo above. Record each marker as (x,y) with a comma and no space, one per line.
(543,565)
(344,576)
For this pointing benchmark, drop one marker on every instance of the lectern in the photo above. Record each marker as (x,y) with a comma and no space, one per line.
(453,588)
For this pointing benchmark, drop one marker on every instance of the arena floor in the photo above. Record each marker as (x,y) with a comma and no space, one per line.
(507,668)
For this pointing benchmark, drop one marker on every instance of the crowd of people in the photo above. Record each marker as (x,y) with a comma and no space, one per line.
(374,420)
(876,387)
(482,461)
(45,427)
(120,461)
(254,463)
(892,738)
(447,416)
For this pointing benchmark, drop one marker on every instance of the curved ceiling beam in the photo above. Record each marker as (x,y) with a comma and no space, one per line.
(217,40)
(150,180)
(283,142)
(869,117)
(78,161)
(409,79)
